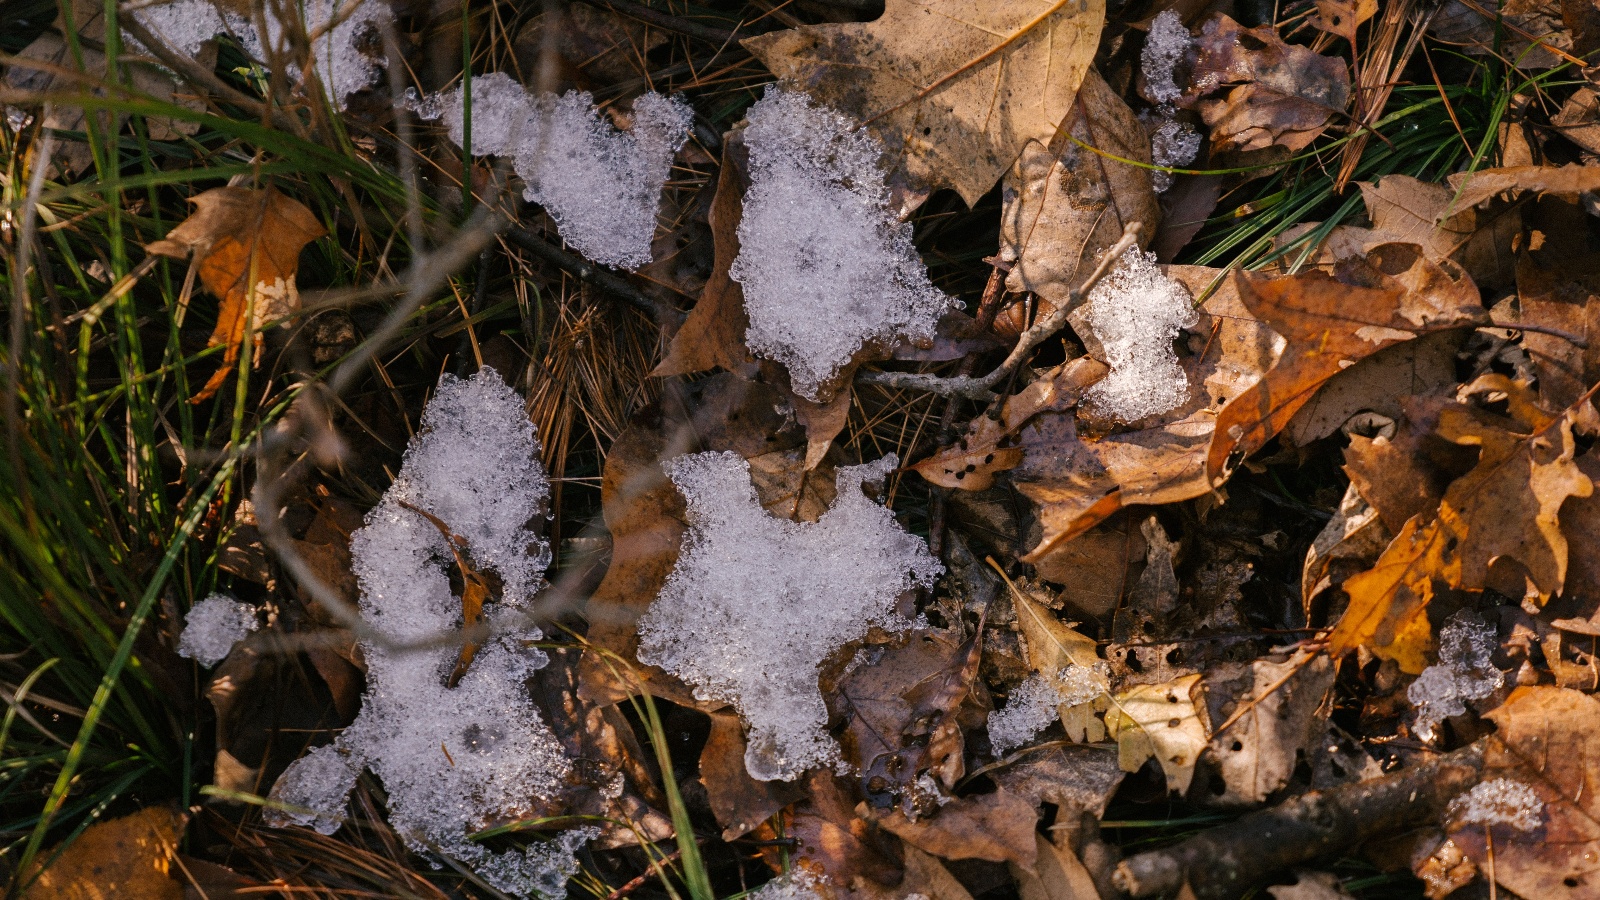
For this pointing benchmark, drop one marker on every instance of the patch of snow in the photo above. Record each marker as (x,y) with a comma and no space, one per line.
(1033,705)
(1164,47)
(825,265)
(452,759)
(756,603)
(1498,801)
(1173,142)
(1136,312)
(339,31)
(1465,672)
(795,884)
(602,186)
(213,626)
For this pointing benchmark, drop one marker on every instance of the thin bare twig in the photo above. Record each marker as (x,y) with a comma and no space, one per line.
(1041,331)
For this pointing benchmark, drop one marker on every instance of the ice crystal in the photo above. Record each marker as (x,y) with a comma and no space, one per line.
(451,759)
(1164,48)
(1173,143)
(602,186)
(1465,672)
(1034,704)
(756,603)
(825,265)
(213,626)
(795,884)
(1136,312)
(339,31)
(1498,801)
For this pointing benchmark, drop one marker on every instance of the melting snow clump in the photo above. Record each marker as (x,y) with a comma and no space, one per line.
(340,57)
(1172,142)
(1465,672)
(451,759)
(1164,47)
(756,603)
(795,884)
(1136,312)
(825,265)
(1034,704)
(213,626)
(602,186)
(1498,801)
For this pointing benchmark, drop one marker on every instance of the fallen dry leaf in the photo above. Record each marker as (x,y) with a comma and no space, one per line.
(739,802)
(1052,646)
(1331,324)
(119,859)
(1526,33)
(1078,482)
(1473,188)
(1159,721)
(1505,507)
(1406,210)
(713,334)
(988,447)
(1064,205)
(246,244)
(1279,709)
(997,827)
(1257,92)
(954,88)
(1058,875)
(1548,739)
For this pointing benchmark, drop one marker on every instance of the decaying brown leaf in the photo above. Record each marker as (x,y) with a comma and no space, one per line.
(1505,508)
(1548,739)
(119,859)
(739,802)
(954,88)
(1331,323)
(1058,875)
(989,447)
(1159,721)
(246,245)
(1065,205)
(1079,481)
(997,827)
(1258,92)
(1276,706)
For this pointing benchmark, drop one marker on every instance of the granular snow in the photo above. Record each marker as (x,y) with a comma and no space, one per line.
(825,265)
(1465,672)
(1136,312)
(1034,704)
(602,186)
(1498,801)
(451,759)
(756,603)
(213,626)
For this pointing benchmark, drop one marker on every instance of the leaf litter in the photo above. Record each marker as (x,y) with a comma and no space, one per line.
(1194,615)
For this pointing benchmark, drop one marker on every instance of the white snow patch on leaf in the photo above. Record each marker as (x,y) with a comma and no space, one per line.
(1498,801)
(1034,704)
(1136,312)
(825,265)
(796,884)
(213,626)
(452,760)
(1465,672)
(1164,47)
(602,186)
(756,603)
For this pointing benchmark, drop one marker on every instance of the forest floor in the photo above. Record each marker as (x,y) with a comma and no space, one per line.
(800,448)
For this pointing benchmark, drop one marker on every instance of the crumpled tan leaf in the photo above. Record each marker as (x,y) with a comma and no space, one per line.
(246,245)
(129,858)
(1393,295)
(954,88)
(1065,205)
(1506,507)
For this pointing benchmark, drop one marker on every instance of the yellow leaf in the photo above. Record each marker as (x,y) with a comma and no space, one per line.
(1159,720)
